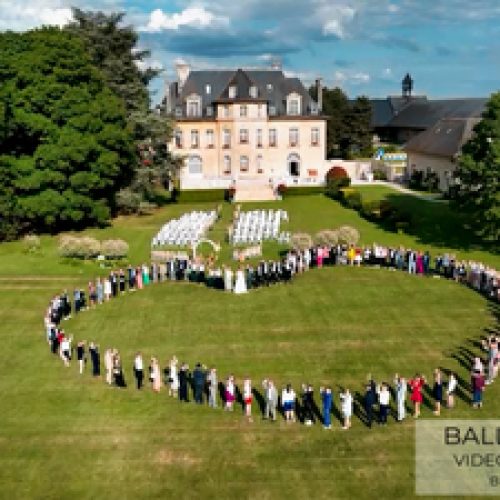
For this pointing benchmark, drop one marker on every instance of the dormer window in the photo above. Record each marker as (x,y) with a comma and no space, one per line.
(210,111)
(232,91)
(253,92)
(272,110)
(208,89)
(178,112)
(193,106)
(293,104)
(269,87)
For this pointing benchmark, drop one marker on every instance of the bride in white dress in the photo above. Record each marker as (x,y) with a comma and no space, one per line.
(241,284)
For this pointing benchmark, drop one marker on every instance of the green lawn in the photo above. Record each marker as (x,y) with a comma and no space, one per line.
(67,436)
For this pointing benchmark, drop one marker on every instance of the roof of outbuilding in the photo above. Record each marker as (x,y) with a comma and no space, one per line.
(445,138)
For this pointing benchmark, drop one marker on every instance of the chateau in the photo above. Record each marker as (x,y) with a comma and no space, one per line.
(254,126)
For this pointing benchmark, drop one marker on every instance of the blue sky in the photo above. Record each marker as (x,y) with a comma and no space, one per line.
(451,47)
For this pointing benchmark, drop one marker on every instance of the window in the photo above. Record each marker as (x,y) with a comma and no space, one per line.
(293,107)
(225,111)
(272,110)
(293,104)
(193,107)
(226,138)
(261,112)
(314,136)
(210,111)
(243,163)
(294,137)
(243,110)
(195,139)
(293,165)
(273,137)
(259,138)
(194,165)
(260,170)
(227,165)
(243,136)
(253,91)
(269,87)
(208,89)
(210,138)
(178,139)
(178,112)
(232,91)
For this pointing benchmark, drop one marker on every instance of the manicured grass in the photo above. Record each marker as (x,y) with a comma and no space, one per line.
(67,436)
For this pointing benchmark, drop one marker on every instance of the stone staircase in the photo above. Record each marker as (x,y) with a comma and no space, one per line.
(253,191)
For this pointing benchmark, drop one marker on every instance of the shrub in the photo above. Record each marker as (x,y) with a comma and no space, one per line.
(127,201)
(114,249)
(336,173)
(79,248)
(304,190)
(334,186)
(348,235)
(301,241)
(146,207)
(281,189)
(31,243)
(201,195)
(351,198)
(327,237)
(379,175)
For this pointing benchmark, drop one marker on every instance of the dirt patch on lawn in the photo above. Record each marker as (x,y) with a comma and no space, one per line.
(170,457)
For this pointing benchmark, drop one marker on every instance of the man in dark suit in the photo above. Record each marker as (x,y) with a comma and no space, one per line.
(199,378)
(183,382)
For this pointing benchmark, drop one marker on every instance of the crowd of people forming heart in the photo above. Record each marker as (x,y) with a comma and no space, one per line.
(375,403)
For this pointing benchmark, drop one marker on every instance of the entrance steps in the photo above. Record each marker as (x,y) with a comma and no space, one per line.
(253,191)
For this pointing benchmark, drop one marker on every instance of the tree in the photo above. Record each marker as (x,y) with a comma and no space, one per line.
(113,49)
(476,179)
(65,148)
(349,123)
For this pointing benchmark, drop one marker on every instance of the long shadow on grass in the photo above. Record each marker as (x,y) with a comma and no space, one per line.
(432,223)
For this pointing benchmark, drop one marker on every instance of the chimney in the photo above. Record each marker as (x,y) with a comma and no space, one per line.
(319,98)
(182,68)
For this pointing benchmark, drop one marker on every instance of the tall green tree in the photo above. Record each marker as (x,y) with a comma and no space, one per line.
(477,177)
(65,148)
(349,123)
(113,49)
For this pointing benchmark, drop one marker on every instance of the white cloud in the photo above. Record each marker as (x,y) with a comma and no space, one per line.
(196,17)
(387,72)
(350,77)
(393,8)
(24,14)
(339,18)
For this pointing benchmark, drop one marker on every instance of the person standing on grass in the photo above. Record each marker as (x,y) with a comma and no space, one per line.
(450,391)
(248,398)
(384,398)
(288,402)
(108,365)
(155,375)
(437,391)
(80,355)
(173,378)
(107,288)
(199,378)
(417,383)
(121,281)
(400,386)
(99,288)
(369,400)
(327,400)
(94,358)
(477,383)
(66,350)
(271,398)
(346,407)
(183,382)
(308,404)
(230,393)
(212,388)
(138,370)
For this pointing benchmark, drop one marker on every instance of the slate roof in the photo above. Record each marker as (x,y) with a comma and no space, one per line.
(420,113)
(219,81)
(445,138)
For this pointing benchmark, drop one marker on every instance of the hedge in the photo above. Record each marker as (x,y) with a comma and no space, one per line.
(200,195)
(304,190)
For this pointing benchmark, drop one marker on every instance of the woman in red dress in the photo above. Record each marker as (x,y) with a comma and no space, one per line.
(416,385)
